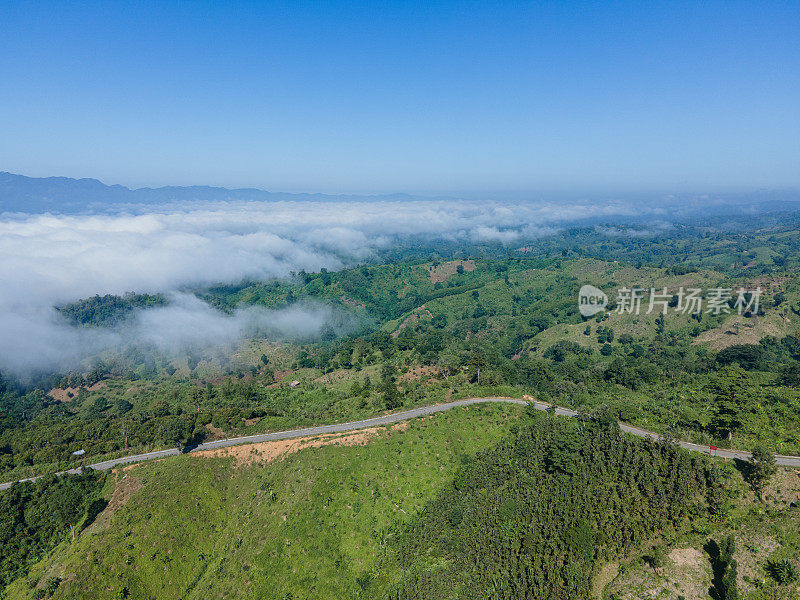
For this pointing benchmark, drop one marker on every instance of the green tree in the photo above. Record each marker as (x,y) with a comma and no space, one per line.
(729,585)
(790,376)
(761,467)
(658,557)
(391,397)
(732,394)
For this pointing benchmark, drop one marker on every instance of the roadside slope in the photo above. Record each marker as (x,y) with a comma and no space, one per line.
(787,461)
(313,522)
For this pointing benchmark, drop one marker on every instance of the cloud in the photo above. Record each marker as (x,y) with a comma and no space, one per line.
(49,259)
(652,229)
(493,234)
(34,341)
(187,322)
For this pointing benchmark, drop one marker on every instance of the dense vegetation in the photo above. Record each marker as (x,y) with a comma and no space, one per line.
(312,525)
(517,332)
(451,319)
(109,309)
(35,516)
(531,517)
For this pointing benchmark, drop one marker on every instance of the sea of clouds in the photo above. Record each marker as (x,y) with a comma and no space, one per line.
(49,259)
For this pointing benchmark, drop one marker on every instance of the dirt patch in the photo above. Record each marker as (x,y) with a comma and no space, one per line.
(741,330)
(607,574)
(687,573)
(63,395)
(215,433)
(687,558)
(354,303)
(334,376)
(443,272)
(126,485)
(783,489)
(417,372)
(69,394)
(769,284)
(281,375)
(412,319)
(268,451)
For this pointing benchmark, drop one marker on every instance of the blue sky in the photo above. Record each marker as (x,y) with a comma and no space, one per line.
(451,98)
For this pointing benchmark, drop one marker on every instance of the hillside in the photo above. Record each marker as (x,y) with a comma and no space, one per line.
(304,521)
(485,500)
(442,322)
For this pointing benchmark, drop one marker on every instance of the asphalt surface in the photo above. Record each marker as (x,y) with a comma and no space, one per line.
(787,461)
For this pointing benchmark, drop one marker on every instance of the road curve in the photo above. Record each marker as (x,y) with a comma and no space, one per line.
(787,461)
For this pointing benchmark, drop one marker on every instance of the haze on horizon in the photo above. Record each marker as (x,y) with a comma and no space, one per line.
(464,99)
(521,118)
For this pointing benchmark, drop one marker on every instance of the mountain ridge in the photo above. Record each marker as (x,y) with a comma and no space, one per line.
(20,193)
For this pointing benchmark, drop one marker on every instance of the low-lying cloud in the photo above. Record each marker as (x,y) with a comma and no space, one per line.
(45,341)
(47,259)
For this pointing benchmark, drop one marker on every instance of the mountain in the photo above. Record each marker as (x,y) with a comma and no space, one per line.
(66,195)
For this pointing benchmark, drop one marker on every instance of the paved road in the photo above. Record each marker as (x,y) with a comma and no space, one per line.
(789,461)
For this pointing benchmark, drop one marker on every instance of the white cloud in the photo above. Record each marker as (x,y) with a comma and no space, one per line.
(52,259)
(493,234)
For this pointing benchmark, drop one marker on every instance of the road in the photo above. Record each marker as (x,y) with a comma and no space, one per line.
(787,461)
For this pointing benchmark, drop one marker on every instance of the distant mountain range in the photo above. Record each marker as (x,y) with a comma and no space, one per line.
(19,193)
(65,195)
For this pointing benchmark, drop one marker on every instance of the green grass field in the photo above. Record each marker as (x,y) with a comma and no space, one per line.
(312,524)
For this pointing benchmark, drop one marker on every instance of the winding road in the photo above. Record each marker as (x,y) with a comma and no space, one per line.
(787,461)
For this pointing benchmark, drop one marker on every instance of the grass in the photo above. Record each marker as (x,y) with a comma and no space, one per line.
(763,532)
(310,525)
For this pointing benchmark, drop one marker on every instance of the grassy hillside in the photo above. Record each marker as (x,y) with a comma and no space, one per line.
(508,326)
(485,501)
(312,524)
(420,324)
(766,535)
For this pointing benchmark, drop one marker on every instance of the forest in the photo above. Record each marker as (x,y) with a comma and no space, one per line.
(446,321)
(531,517)
(34,517)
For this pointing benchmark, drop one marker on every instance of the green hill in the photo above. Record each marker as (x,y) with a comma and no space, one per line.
(313,524)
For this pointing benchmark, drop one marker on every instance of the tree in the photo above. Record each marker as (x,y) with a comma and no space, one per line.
(761,468)
(791,376)
(658,558)
(729,584)
(748,356)
(725,570)
(388,387)
(727,548)
(732,393)
(391,397)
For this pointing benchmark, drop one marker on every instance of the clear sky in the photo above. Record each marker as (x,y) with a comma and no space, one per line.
(424,97)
